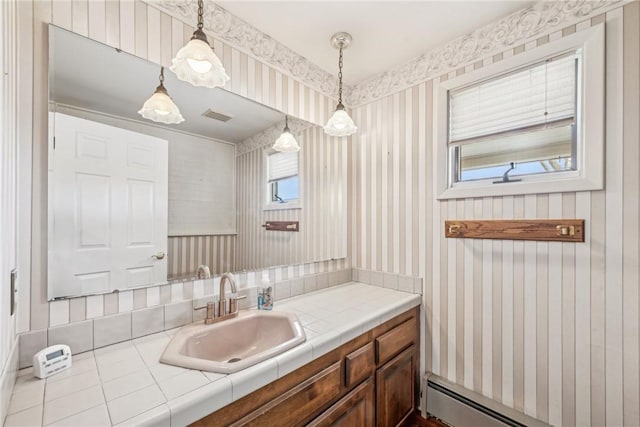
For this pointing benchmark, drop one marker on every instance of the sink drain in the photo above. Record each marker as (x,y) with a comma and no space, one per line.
(235,359)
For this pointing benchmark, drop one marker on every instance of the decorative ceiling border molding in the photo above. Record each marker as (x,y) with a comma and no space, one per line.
(267,137)
(227,27)
(532,22)
(535,21)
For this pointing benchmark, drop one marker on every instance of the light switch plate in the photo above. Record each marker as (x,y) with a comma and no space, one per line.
(13,290)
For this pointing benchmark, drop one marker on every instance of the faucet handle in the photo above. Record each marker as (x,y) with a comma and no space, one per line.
(233,302)
(211,312)
(207,305)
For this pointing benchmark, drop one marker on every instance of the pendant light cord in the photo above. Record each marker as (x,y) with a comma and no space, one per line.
(340,77)
(161,88)
(200,13)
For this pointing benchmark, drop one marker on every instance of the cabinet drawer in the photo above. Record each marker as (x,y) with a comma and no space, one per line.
(396,340)
(355,409)
(295,406)
(359,364)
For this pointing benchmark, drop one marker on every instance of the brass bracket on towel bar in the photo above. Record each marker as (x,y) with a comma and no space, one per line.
(281,226)
(553,230)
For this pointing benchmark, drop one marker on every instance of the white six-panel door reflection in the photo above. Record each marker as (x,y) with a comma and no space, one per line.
(108,208)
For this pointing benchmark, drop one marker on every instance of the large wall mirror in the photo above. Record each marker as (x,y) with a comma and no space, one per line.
(135,203)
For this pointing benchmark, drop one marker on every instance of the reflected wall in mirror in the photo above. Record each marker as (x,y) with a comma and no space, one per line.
(136,203)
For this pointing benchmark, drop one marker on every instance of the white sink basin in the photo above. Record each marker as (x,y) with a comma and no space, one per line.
(234,344)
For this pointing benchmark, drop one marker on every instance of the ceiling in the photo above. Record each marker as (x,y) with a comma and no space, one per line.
(385,33)
(117,83)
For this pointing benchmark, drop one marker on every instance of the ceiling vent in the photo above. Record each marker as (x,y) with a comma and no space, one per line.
(216,116)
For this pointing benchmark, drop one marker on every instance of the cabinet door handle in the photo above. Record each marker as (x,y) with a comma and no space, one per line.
(159,255)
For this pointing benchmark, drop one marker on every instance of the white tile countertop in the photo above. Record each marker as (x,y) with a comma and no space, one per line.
(124,384)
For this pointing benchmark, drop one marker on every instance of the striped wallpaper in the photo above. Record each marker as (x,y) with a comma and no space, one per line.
(145,31)
(186,253)
(547,328)
(323,217)
(8,198)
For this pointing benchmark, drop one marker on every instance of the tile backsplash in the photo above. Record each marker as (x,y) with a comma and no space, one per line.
(174,308)
(397,282)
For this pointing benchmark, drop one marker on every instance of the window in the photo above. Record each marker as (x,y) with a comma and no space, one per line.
(283,180)
(538,115)
(526,117)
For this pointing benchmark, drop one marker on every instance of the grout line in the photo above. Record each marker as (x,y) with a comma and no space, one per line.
(44,392)
(105,401)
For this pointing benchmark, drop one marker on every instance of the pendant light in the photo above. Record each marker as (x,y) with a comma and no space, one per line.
(286,141)
(160,107)
(340,124)
(196,62)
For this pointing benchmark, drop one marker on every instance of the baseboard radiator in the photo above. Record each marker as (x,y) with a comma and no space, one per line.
(460,407)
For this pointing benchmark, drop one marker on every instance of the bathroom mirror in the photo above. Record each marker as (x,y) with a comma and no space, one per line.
(137,203)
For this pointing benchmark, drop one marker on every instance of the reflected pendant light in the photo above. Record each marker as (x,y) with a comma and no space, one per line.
(340,124)
(286,142)
(196,62)
(160,107)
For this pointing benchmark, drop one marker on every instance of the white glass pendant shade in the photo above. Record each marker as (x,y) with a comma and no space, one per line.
(340,124)
(197,64)
(286,142)
(161,108)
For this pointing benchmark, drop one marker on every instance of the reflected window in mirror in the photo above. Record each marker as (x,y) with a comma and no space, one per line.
(283,182)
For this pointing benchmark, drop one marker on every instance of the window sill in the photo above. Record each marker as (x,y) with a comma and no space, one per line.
(556,183)
(282,206)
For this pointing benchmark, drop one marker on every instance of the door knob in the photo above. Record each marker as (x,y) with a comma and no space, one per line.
(159,255)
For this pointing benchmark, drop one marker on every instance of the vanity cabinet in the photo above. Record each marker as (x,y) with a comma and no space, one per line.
(372,380)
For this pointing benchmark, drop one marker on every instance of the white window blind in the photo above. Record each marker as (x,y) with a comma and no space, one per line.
(283,165)
(540,95)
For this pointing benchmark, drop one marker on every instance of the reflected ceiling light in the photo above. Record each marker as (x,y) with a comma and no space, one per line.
(160,107)
(286,142)
(340,124)
(196,62)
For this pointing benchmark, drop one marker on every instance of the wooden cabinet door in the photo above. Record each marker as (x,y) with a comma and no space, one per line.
(356,409)
(395,389)
(299,404)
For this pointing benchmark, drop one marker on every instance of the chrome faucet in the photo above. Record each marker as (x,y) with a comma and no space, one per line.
(214,316)
(222,305)
(203,272)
